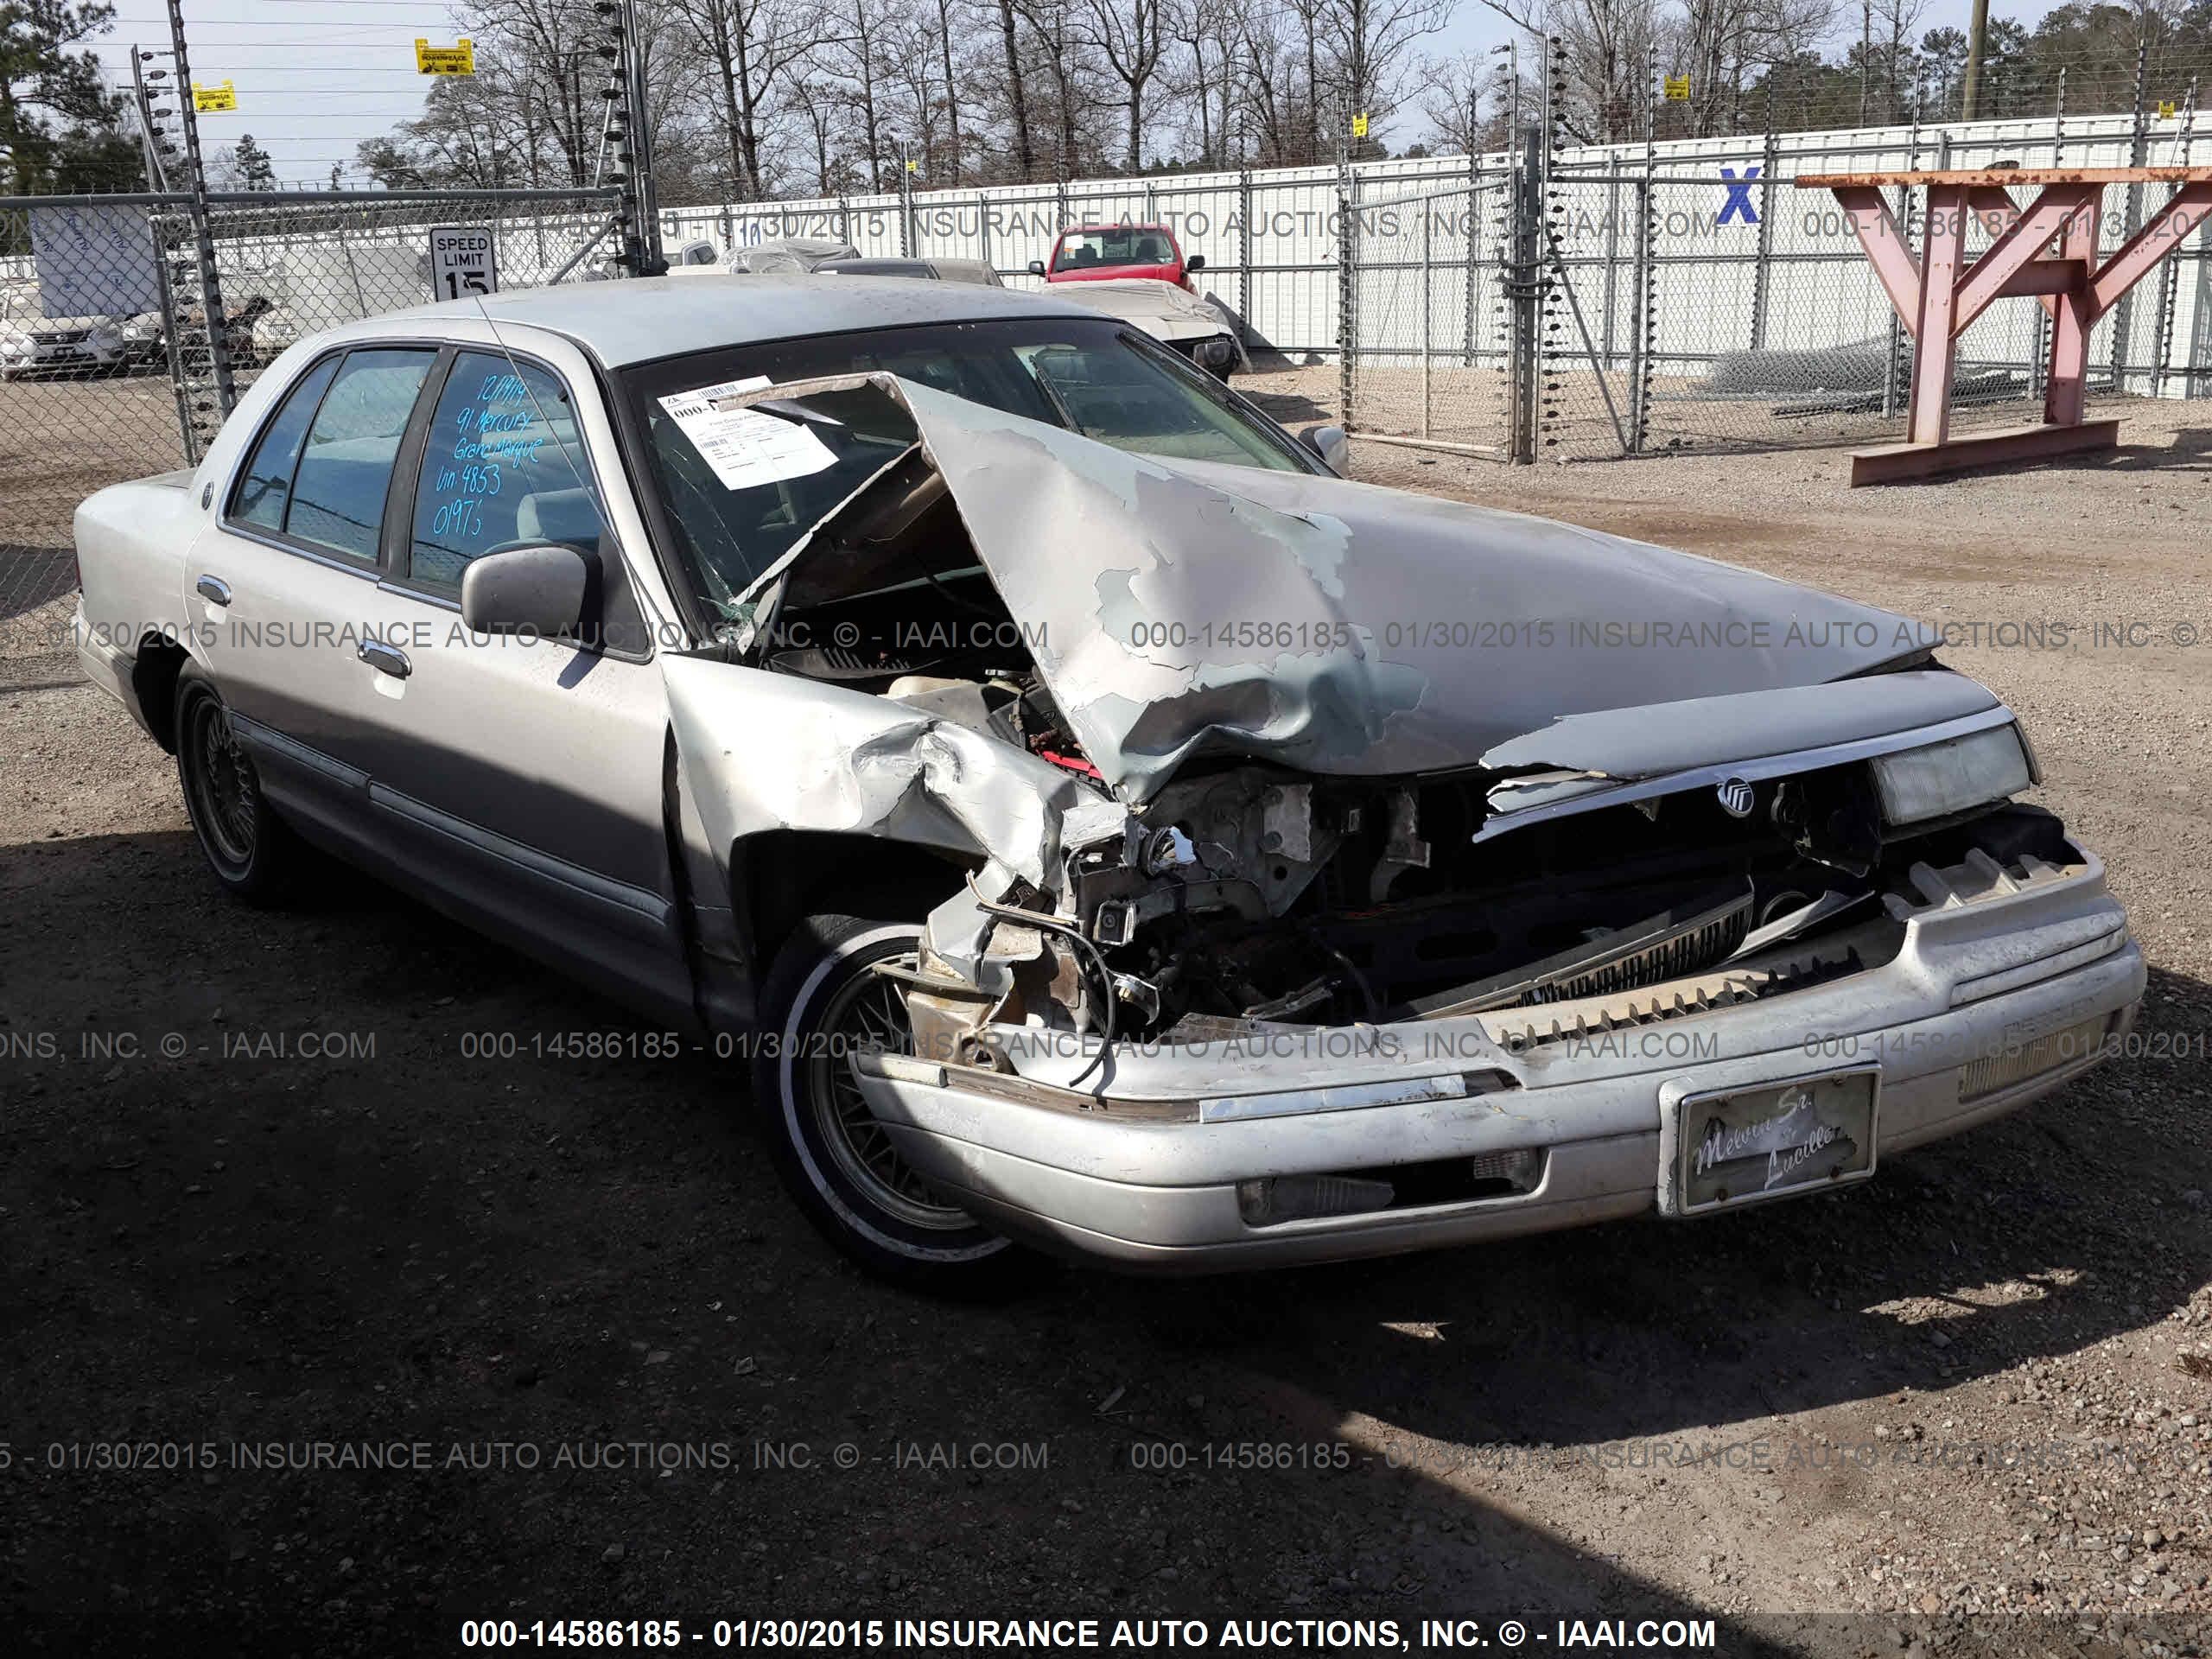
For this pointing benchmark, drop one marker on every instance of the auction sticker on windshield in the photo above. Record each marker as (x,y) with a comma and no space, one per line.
(745,448)
(1729,1148)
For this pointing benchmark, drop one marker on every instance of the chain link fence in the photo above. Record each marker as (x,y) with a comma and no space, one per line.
(107,369)
(1430,314)
(86,397)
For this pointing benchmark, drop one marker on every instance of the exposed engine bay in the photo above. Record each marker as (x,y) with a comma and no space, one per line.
(1247,892)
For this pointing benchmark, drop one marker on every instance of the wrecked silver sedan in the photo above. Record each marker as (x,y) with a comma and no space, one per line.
(1101,826)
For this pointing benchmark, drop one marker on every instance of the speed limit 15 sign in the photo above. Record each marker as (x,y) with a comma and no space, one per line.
(462,262)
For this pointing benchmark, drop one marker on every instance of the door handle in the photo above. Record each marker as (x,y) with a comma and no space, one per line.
(385,659)
(214,589)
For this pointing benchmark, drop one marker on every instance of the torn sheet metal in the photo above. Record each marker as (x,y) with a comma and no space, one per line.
(1191,609)
(765,751)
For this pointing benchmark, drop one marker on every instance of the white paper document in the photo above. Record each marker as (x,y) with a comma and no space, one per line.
(745,448)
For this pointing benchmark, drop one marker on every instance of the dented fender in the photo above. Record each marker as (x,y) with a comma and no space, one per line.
(760,751)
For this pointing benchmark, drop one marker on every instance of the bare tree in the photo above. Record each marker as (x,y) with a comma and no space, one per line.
(1205,77)
(863,27)
(751,45)
(1458,91)
(1131,38)
(1371,44)
(1609,47)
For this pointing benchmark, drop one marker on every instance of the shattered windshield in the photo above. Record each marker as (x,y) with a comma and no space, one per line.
(737,487)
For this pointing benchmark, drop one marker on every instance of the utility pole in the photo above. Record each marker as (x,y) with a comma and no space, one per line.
(1977,48)
(1865,52)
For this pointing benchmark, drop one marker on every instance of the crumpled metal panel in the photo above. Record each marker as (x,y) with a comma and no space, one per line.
(1195,608)
(764,750)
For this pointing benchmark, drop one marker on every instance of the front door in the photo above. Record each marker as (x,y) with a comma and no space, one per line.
(524,777)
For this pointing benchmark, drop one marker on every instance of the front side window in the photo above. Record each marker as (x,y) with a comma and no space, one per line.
(265,489)
(345,468)
(731,512)
(504,468)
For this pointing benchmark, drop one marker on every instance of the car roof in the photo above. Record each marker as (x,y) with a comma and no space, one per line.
(1093,230)
(636,320)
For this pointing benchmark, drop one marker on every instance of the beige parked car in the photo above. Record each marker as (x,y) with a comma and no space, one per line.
(1100,826)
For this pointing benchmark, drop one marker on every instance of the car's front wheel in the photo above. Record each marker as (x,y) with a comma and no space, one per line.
(823,1004)
(252,851)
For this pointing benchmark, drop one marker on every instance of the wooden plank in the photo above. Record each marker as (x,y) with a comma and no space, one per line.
(1895,463)
(2002,176)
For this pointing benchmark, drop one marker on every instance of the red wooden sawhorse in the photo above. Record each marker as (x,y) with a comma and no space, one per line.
(1940,296)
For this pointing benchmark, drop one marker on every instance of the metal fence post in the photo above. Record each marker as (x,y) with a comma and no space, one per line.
(1645,330)
(1244,247)
(2039,371)
(213,317)
(2170,269)
(1347,289)
(1762,273)
(2139,148)
(1900,358)
(1427,309)
(1527,345)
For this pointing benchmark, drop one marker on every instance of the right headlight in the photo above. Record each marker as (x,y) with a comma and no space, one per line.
(1918,784)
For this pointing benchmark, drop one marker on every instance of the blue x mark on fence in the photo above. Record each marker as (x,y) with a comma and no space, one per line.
(1739,196)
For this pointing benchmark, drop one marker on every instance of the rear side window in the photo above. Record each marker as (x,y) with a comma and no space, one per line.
(266,489)
(345,468)
(503,468)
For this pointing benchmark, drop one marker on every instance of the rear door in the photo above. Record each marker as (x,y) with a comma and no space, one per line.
(283,583)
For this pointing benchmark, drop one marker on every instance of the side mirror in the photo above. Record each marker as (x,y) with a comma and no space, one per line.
(1036,267)
(1329,443)
(535,591)
(1196,262)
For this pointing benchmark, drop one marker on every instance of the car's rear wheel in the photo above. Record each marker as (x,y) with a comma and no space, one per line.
(252,851)
(823,1004)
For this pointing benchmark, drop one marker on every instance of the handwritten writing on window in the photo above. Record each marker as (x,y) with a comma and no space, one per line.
(492,448)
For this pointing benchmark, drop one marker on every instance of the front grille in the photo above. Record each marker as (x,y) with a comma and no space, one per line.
(2052,1052)
(1698,944)
(1519,1030)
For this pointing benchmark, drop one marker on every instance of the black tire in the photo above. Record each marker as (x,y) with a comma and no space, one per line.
(840,1168)
(253,853)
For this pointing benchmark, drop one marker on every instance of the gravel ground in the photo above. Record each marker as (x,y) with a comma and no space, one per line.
(1966,1407)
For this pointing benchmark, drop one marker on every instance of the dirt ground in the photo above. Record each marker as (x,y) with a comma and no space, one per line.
(1966,1407)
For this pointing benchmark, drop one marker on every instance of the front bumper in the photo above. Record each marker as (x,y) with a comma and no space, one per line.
(1145,1177)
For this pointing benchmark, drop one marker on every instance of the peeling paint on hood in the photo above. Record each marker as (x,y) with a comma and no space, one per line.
(1194,608)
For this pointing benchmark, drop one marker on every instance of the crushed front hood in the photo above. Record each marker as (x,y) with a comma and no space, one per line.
(1190,609)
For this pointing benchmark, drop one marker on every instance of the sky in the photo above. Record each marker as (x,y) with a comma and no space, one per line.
(315,77)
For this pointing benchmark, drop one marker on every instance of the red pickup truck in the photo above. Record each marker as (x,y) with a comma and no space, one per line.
(1095,252)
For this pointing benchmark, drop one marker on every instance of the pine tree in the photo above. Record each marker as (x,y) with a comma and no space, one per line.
(256,170)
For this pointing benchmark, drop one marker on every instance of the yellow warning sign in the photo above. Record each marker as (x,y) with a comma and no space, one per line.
(913,166)
(211,100)
(1678,89)
(459,59)
(2165,109)
(1360,124)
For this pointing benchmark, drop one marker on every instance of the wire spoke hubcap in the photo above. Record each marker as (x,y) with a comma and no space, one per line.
(866,1016)
(229,795)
